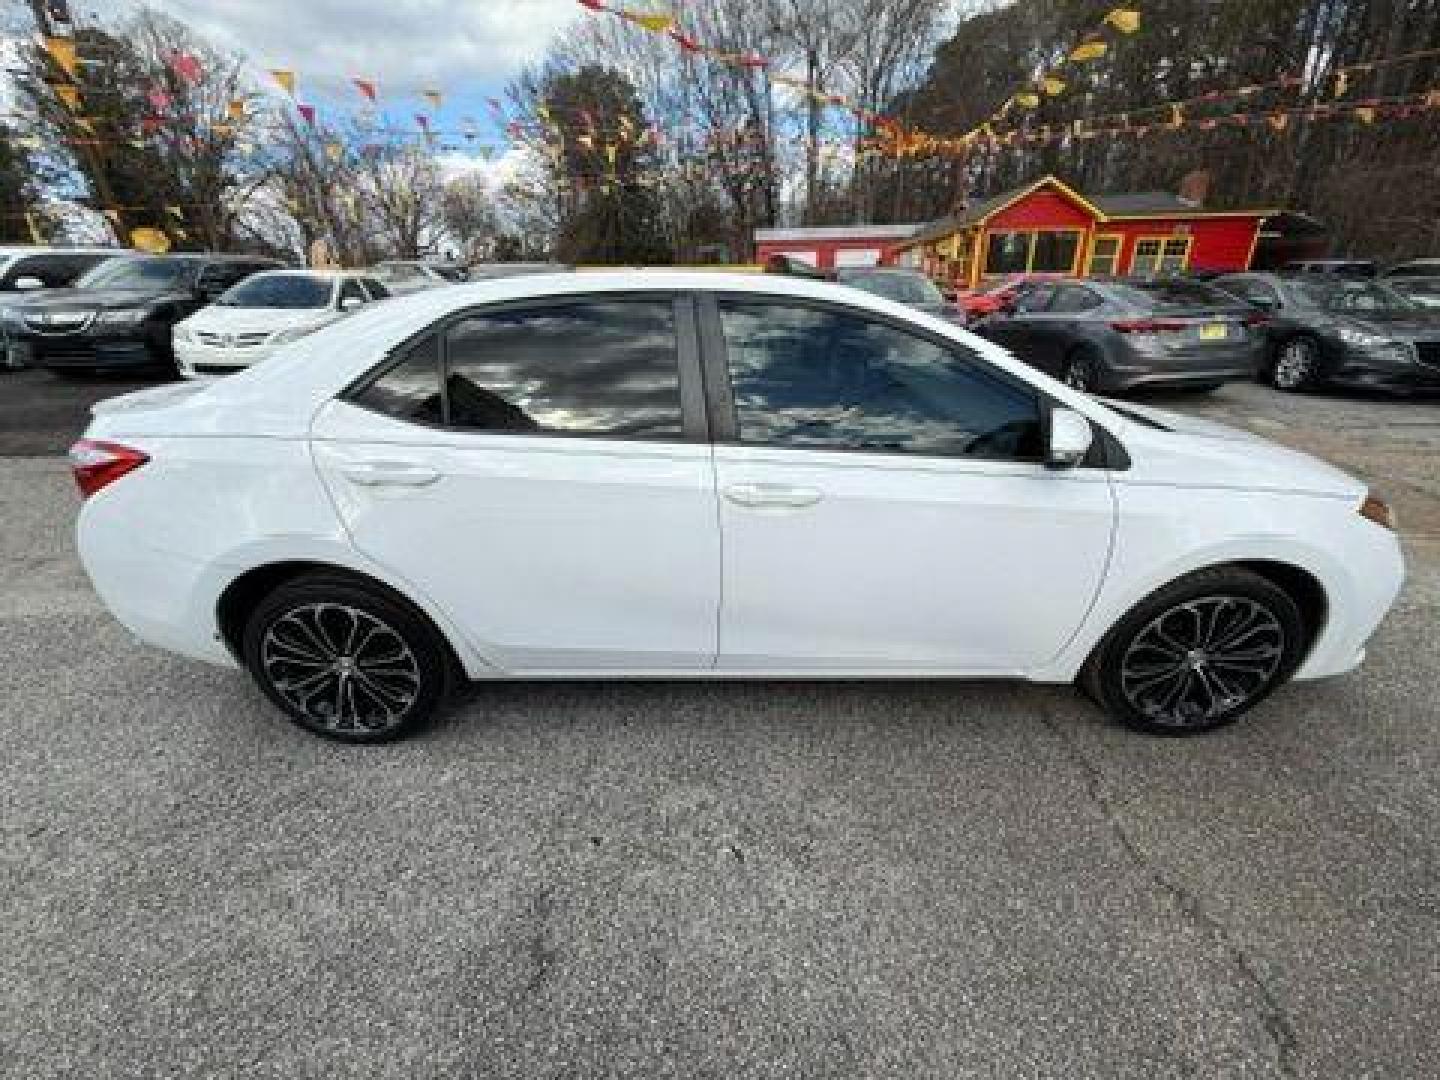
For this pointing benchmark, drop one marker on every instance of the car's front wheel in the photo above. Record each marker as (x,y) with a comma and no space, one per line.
(1197,654)
(345,659)
(1081,371)
(1295,365)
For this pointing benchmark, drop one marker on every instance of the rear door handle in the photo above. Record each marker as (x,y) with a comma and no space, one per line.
(389,474)
(773,495)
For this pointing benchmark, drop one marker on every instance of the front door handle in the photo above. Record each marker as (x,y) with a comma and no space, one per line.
(389,474)
(784,495)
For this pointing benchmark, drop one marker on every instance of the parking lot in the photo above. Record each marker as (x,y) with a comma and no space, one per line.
(732,880)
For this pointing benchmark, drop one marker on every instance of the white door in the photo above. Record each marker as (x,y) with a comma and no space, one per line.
(549,501)
(883,507)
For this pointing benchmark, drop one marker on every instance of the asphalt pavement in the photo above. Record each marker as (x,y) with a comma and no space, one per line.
(715,880)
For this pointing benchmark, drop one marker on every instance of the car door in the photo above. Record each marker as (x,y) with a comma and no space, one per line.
(883,504)
(1017,329)
(1055,328)
(540,470)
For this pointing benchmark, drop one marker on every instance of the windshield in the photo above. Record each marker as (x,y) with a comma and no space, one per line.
(148,275)
(902,288)
(1172,292)
(1353,296)
(291,291)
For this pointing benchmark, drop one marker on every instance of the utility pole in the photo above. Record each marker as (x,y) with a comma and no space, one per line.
(92,162)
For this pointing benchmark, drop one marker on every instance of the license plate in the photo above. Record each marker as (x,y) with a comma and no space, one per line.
(1214,331)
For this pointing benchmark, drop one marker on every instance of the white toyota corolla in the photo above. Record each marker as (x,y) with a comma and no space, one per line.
(675,475)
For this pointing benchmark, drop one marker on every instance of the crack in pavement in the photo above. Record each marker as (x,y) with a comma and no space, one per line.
(1272,1015)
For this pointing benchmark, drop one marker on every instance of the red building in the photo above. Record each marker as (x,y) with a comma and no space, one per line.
(832,246)
(1049,227)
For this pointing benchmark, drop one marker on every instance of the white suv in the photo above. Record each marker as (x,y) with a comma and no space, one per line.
(682,475)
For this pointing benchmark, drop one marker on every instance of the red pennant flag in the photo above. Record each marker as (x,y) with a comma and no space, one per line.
(752,60)
(185,66)
(366,87)
(158,99)
(593,5)
(685,41)
(308,112)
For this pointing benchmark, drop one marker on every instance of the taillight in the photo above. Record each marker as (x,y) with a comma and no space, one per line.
(1146,326)
(96,463)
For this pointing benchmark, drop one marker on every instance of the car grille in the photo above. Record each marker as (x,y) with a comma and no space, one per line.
(231,341)
(59,322)
(215,369)
(70,352)
(1428,353)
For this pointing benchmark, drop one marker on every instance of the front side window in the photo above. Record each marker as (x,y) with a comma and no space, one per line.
(1073,298)
(828,379)
(601,366)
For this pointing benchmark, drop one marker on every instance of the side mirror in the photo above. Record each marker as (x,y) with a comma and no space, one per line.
(28,283)
(350,303)
(1070,439)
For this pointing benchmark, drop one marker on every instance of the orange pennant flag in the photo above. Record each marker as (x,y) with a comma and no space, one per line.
(70,95)
(1365,114)
(1126,20)
(366,87)
(1278,121)
(62,51)
(236,109)
(1088,50)
(286,79)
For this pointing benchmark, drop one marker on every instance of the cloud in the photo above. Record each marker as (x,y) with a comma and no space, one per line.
(458,46)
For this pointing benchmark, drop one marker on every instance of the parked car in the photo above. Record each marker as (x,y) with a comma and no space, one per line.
(26,270)
(1115,336)
(487,271)
(992,297)
(1352,268)
(531,478)
(120,314)
(1320,331)
(412,275)
(1415,268)
(1422,291)
(251,320)
(904,286)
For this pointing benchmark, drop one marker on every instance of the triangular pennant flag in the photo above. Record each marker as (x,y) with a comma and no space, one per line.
(1342,83)
(159,100)
(70,95)
(1126,20)
(285,79)
(1027,100)
(62,51)
(1278,121)
(685,41)
(1052,86)
(366,88)
(113,215)
(1088,50)
(223,130)
(185,66)
(236,109)
(433,97)
(1177,116)
(423,121)
(1365,114)
(334,151)
(308,112)
(175,212)
(656,23)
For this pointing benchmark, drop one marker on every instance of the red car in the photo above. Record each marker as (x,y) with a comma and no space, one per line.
(991,296)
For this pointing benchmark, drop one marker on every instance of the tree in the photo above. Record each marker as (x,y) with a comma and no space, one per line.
(467,208)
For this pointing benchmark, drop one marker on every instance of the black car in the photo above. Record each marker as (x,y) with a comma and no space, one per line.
(1114,336)
(1358,333)
(120,314)
(26,270)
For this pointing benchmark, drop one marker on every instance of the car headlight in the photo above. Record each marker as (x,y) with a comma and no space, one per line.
(293,334)
(181,332)
(122,318)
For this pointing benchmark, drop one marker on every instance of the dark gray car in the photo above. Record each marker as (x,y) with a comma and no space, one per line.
(1332,331)
(1113,336)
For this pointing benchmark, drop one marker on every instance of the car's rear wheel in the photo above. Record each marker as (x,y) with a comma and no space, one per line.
(1081,371)
(1197,654)
(1294,367)
(346,660)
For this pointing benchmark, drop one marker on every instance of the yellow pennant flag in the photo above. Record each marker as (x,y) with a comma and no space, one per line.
(610,154)
(286,79)
(223,130)
(1027,100)
(1177,116)
(334,151)
(656,23)
(1365,114)
(1278,121)
(146,239)
(1052,86)
(1342,83)
(1087,50)
(70,95)
(175,212)
(62,51)
(84,124)
(236,109)
(1126,20)
(433,97)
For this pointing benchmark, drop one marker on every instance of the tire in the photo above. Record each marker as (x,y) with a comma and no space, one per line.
(1294,367)
(389,668)
(1081,371)
(1158,670)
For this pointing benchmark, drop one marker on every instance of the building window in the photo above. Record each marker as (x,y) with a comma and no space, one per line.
(1040,252)
(1105,255)
(1160,255)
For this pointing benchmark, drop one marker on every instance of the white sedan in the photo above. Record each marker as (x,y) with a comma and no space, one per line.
(675,475)
(249,321)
